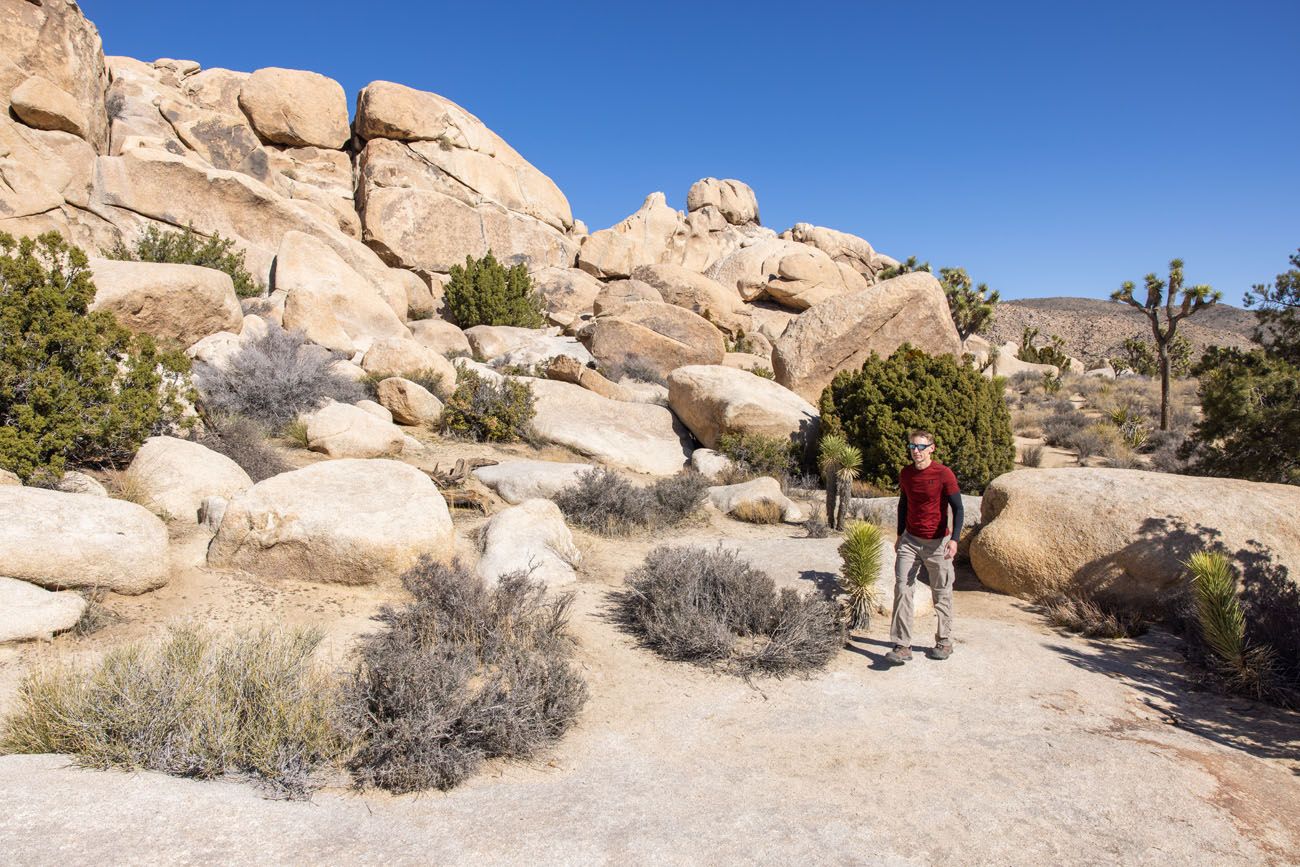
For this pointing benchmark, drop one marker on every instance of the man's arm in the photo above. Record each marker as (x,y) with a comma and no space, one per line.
(902,511)
(958,514)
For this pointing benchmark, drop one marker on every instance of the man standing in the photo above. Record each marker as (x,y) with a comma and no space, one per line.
(926,489)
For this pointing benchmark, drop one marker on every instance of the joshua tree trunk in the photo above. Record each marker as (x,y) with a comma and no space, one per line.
(843,496)
(832,503)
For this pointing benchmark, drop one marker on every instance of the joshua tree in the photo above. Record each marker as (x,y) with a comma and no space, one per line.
(903,268)
(840,463)
(1165,296)
(971,307)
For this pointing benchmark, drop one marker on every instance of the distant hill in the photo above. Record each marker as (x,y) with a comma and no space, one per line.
(1094,330)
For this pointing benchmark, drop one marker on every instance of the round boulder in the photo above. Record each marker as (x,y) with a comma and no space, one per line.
(28,612)
(1125,533)
(296,108)
(342,430)
(530,537)
(342,522)
(713,400)
(60,540)
(174,303)
(178,475)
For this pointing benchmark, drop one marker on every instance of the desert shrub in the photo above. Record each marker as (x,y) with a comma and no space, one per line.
(196,705)
(461,674)
(1052,353)
(875,408)
(1026,381)
(244,441)
(605,502)
(1250,424)
(187,247)
(1031,456)
(1051,384)
(755,454)
(743,342)
(1138,355)
(816,528)
(758,512)
(96,615)
(1061,426)
(711,608)
(863,554)
(1028,423)
(1123,458)
(75,387)
(489,410)
(1093,615)
(485,292)
(1092,440)
(296,433)
(637,369)
(763,372)
(274,379)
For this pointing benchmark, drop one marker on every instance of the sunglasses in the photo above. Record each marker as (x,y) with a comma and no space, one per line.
(918,447)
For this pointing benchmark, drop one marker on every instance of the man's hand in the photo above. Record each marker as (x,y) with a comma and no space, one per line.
(898,542)
(950,549)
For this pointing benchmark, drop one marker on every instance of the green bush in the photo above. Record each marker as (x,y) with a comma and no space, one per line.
(1052,353)
(75,386)
(1138,355)
(485,292)
(874,409)
(862,551)
(194,706)
(499,411)
(187,247)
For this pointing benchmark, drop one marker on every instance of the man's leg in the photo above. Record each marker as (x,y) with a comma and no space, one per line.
(907,567)
(939,569)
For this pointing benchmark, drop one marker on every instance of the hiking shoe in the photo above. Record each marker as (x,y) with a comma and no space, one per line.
(899,655)
(942,650)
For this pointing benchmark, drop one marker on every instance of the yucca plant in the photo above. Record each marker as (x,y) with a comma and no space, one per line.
(862,551)
(1223,624)
(840,463)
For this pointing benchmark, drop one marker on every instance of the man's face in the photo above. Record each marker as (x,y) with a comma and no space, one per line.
(920,450)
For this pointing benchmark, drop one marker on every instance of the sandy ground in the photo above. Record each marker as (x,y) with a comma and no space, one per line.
(1028,746)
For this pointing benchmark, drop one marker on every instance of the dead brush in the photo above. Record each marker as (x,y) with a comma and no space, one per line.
(757,512)
(604,502)
(1092,616)
(710,608)
(461,674)
(195,705)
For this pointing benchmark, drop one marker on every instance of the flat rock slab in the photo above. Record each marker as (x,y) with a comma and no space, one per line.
(29,612)
(516,481)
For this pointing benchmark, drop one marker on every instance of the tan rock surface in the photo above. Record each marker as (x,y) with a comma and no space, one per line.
(1125,532)
(728,498)
(344,522)
(30,613)
(617,293)
(566,292)
(43,105)
(519,480)
(715,400)
(341,430)
(683,287)
(530,537)
(409,402)
(735,200)
(177,475)
(841,333)
(441,336)
(660,336)
(179,304)
(395,356)
(60,540)
(295,107)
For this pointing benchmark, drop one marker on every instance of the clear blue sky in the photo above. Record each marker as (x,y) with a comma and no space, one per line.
(1050,148)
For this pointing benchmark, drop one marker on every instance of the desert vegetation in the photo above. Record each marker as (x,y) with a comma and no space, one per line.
(188,247)
(489,410)
(711,608)
(863,552)
(603,501)
(485,292)
(875,407)
(753,455)
(76,388)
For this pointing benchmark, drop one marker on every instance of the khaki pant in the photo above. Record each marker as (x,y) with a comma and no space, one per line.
(913,553)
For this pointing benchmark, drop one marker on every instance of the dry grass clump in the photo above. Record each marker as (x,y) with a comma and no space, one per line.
(96,615)
(244,441)
(711,608)
(1032,456)
(762,511)
(605,502)
(1028,422)
(296,433)
(196,705)
(1092,615)
(1061,425)
(126,485)
(276,378)
(816,528)
(460,675)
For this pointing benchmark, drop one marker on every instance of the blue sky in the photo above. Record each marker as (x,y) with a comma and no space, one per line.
(1050,148)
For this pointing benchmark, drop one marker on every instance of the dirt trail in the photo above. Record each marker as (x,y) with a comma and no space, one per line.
(1027,747)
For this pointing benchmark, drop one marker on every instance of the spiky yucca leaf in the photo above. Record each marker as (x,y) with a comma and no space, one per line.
(862,551)
(837,454)
(1223,624)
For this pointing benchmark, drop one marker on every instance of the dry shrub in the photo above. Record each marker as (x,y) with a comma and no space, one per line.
(816,528)
(96,615)
(275,379)
(1032,456)
(711,608)
(603,501)
(196,705)
(296,433)
(1028,422)
(460,675)
(1093,440)
(762,511)
(126,485)
(1062,425)
(1094,616)
(244,441)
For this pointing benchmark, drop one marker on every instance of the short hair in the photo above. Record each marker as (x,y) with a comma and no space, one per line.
(921,434)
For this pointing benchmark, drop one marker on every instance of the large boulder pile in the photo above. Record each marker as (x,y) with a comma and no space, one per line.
(342,522)
(1126,533)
